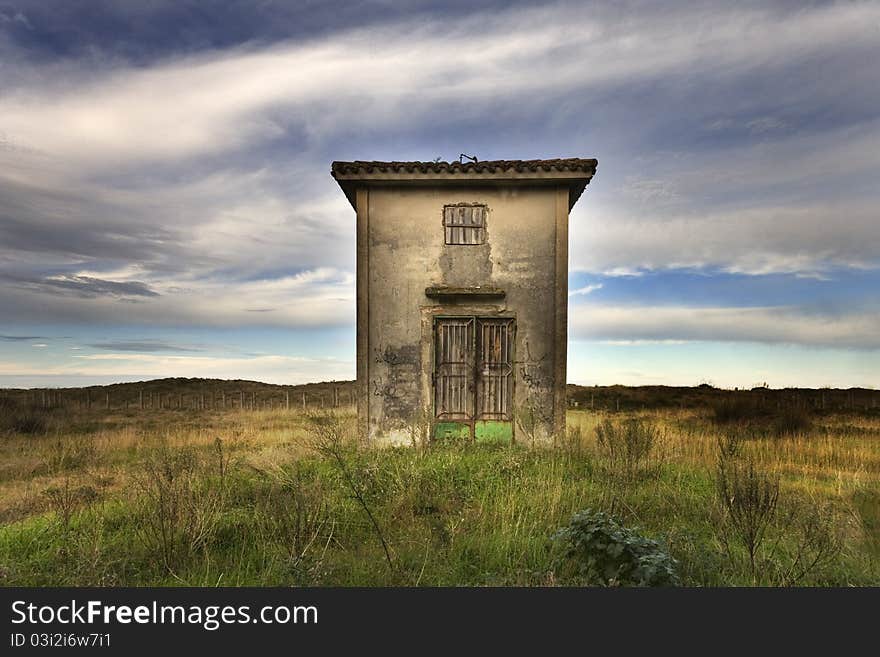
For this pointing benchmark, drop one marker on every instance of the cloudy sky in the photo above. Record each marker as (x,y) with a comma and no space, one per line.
(166,207)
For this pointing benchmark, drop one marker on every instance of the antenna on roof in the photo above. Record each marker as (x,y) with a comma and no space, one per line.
(472,158)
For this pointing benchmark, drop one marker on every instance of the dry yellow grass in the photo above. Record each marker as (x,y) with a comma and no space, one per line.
(839,455)
(510,510)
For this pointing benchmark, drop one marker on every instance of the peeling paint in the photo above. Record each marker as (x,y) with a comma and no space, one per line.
(455,431)
(402,380)
(493,432)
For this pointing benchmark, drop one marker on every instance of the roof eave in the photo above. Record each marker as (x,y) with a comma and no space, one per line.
(575,181)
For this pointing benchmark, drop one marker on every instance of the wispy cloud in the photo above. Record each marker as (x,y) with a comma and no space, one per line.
(585,290)
(685,323)
(322,297)
(269,368)
(224,102)
(769,239)
(86,286)
(143,346)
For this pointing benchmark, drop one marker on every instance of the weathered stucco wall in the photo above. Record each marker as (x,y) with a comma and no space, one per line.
(406,254)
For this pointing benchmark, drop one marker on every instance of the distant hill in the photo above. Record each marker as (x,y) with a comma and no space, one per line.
(220,393)
(645,397)
(191,393)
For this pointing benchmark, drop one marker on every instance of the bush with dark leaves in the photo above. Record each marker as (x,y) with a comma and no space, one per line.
(598,550)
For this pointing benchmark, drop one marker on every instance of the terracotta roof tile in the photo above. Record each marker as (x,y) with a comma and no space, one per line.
(571,164)
(574,171)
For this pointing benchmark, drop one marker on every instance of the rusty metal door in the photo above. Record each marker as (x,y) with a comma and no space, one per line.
(473,376)
(494,369)
(454,370)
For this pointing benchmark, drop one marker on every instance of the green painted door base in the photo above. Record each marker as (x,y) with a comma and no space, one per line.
(493,431)
(455,431)
(485,431)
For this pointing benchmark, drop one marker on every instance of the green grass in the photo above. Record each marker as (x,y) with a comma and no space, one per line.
(252,498)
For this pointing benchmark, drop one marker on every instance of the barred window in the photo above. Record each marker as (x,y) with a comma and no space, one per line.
(465,224)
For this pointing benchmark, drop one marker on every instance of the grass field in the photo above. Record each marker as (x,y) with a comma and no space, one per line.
(281,496)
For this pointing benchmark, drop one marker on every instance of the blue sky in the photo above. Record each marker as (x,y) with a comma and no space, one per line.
(166,207)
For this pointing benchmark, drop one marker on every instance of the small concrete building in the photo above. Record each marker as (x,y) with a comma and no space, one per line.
(462,296)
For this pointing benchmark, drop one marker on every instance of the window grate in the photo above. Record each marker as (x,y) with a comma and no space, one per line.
(465,224)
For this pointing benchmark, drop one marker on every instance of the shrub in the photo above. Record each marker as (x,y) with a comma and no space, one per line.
(598,550)
(178,505)
(627,444)
(730,443)
(791,422)
(736,410)
(815,544)
(294,515)
(66,499)
(330,439)
(26,419)
(748,500)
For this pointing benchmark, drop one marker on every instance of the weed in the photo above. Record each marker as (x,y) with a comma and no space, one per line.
(597,549)
(809,525)
(66,499)
(748,498)
(627,445)
(74,452)
(572,441)
(293,514)
(178,508)
(330,439)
